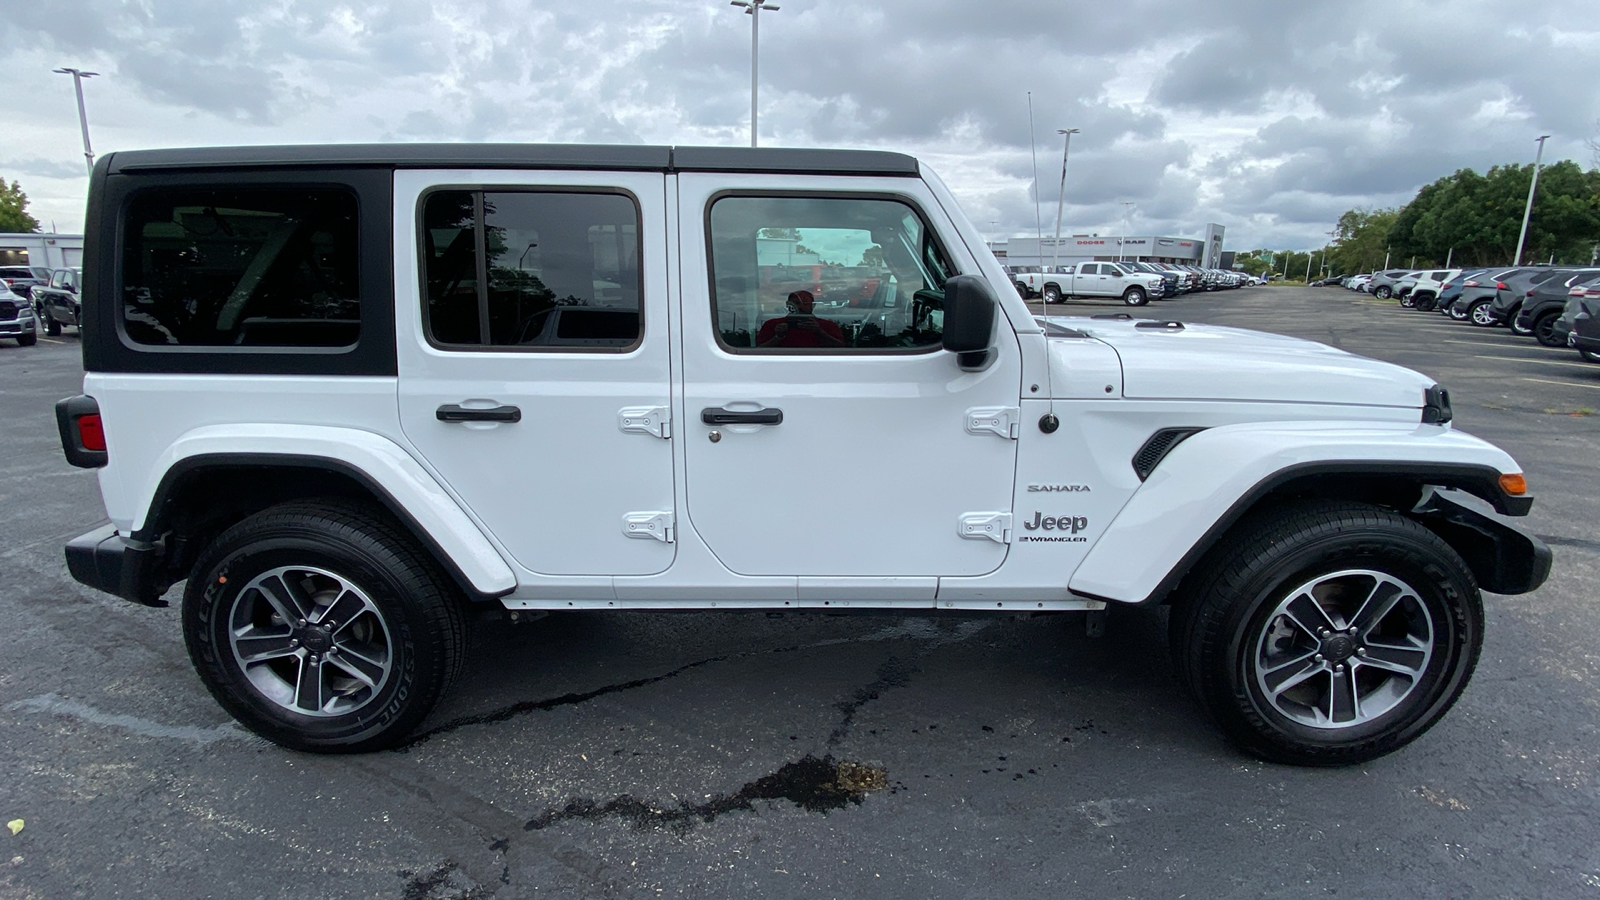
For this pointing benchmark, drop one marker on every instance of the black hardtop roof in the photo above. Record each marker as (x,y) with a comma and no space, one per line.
(613,157)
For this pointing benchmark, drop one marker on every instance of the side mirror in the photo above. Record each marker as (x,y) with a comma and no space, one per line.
(969,308)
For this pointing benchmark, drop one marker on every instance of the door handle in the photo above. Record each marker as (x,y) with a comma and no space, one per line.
(455,412)
(716,415)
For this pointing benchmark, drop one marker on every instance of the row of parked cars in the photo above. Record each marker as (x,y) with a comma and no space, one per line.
(34,298)
(1559,306)
(1136,283)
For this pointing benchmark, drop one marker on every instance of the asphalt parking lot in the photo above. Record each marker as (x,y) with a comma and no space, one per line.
(746,755)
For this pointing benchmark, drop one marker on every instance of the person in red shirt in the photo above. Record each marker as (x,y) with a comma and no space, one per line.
(801,327)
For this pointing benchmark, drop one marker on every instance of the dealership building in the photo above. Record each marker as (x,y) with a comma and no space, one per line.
(47,249)
(1205,251)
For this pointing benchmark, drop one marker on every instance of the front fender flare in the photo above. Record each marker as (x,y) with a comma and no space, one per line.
(384,467)
(1208,482)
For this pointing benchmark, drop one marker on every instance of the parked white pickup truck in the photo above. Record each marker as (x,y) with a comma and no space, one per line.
(349,395)
(1091,279)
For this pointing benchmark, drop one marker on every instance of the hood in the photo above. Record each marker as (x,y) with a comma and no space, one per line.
(1185,361)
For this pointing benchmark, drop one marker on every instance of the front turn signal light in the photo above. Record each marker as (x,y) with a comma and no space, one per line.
(1514,484)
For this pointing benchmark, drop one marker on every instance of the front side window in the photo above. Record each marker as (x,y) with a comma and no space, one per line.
(830,274)
(270,267)
(531,269)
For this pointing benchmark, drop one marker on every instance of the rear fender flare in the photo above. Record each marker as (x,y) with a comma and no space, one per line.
(390,474)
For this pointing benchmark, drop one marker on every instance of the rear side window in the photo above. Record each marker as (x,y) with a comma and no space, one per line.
(263,268)
(531,270)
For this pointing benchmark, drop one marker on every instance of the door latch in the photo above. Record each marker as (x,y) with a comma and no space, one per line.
(649,526)
(1005,421)
(654,420)
(993,526)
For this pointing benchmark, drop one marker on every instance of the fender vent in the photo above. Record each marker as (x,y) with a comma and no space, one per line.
(1157,447)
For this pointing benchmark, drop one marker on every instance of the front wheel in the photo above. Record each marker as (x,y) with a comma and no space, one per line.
(27,340)
(1051,293)
(322,627)
(1135,296)
(52,327)
(1330,633)
(1589,355)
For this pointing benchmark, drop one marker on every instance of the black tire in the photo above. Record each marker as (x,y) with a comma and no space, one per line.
(1458,312)
(1407,301)
(1051,293)
(1135,296)
(1544,330)
(27,340)
(1424,302)
(1589,355)
(1383,292)
(1482,314)
(1022,290)
(1233,616)
(402,626)
(52,327)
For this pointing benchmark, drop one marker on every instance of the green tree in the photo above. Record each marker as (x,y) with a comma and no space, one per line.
(1362,240)
(1251,265)
(14,209)
(1475,219)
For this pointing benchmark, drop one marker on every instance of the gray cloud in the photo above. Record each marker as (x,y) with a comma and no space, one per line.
(1270,118)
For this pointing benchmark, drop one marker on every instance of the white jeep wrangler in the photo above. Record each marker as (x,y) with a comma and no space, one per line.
(348,393)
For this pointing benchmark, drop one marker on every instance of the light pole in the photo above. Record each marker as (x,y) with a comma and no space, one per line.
(1125,226)
(78,76)
(1528,211)
(753,8)
(1061,193)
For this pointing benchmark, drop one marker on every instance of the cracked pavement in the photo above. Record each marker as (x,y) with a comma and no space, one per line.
(620,755)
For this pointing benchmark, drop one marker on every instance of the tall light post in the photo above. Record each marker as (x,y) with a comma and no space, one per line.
(78,76)
(753,8)
(1125,226)
(1061,193)
(1528,211)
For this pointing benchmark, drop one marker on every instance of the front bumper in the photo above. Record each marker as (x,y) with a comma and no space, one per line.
(106,561)
(19,325)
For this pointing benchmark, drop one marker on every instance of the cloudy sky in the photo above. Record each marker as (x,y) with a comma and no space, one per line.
(1271,117)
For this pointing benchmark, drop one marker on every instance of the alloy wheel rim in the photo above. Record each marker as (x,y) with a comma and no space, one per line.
(310,641)
(1343,649)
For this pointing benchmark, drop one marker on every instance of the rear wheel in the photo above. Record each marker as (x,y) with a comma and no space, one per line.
(322,627)
(1135,296)
(1383,292)
(1458,312)
(1022,290)
(1051,293)
(1482,314)
(1329,633)
(1423,302)
(1544,330)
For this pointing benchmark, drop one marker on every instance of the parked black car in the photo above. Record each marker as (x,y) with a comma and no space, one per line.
(1449,291)
(1581,322)
(1521,285)
(1478,292)
(22,279)
(58,302)
(1544,305)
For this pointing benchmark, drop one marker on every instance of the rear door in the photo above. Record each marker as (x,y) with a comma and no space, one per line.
(534,357)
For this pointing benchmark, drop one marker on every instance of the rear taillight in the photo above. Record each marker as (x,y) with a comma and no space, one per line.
(1576,292)
(1528,293)
(83,435)
(91,434)
(1499,285)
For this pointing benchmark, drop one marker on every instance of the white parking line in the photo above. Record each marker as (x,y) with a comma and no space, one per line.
(48,341)
(1548,362)
(1565,383)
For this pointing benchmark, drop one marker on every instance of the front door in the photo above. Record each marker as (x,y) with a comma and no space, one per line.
(826,431)
(535,359)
